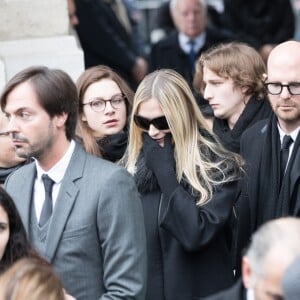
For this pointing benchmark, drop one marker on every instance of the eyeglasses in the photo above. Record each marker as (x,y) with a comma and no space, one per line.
(99,104)
(160,123)
(275,88)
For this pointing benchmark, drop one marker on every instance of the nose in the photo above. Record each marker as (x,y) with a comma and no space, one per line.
(153,131)
(207,93)
(74,20)
(108,109)
(285,94)
(11,126)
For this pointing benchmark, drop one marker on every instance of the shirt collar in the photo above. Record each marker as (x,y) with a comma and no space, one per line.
(57,172)
(250,294)
(293,134)
(184,41)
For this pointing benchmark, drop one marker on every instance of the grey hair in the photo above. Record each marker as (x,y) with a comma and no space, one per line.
(173,4)
(282,234)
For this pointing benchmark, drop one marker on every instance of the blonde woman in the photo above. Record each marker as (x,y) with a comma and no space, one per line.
(187,182)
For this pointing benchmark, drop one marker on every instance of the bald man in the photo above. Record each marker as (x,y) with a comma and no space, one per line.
(271,148)
(273,247)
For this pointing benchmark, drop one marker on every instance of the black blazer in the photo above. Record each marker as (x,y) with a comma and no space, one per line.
(236,292)
(252,143)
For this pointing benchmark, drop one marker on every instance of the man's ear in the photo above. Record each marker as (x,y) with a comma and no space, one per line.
(61,119)
(264,77)
(246,272)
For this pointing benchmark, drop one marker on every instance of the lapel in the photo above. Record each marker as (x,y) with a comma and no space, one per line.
(65,201)
(295,174)
(256,152)
(26,188)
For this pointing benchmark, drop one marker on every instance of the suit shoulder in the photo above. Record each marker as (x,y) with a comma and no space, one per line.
(167,42)
(23,170)
(100,165)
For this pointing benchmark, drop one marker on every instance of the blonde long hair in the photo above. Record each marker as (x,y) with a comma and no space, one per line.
(200,159)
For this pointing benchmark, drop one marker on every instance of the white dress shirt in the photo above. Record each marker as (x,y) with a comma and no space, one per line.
(56,173)
(185,45)
(293,135)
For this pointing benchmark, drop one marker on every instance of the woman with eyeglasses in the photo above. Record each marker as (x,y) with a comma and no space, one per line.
(105,102)
(187,182)
(231,78)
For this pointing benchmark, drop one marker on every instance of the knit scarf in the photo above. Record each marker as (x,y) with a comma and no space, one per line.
(113,147)
(230,138)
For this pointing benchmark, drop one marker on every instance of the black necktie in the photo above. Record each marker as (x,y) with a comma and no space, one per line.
(284,154)
(47,206)
(192,56)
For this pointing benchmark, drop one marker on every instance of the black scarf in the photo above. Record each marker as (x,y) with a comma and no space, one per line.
(230,138)
(4,172)
(274,201)
(113,147)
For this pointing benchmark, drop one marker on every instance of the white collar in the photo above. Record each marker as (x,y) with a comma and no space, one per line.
(57,172)
(250,294)
(293,134)
(184,41)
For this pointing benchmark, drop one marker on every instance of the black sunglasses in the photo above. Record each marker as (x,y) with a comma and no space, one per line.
(144,123)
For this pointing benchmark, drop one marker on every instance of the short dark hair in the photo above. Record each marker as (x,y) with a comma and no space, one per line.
(56,92)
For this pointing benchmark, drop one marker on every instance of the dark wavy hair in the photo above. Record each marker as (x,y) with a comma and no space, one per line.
(18,245)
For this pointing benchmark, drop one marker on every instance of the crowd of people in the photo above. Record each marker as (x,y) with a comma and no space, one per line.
(145,183)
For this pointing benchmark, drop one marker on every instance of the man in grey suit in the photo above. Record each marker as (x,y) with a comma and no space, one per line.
(87,222)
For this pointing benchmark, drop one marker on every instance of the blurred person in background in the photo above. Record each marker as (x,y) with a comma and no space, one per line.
(9,161)
(265,262)
(290,281)
(260,23)
(106,34)
(180,50)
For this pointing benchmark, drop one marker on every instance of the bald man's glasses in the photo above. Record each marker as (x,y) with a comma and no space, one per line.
(275,88)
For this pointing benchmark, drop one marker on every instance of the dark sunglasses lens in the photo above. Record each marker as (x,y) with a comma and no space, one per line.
(141,122)
(160,123)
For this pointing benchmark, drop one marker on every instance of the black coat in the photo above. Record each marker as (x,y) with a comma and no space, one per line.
(236,292)
(259,22)
(253,142)
(188,246)
(103,38)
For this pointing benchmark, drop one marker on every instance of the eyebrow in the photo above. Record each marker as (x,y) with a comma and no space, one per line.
(5,133)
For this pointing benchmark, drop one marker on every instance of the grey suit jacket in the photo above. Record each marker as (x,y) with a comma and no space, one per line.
(96,237)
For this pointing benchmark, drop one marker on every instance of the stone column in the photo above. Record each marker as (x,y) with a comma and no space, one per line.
(36,32)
